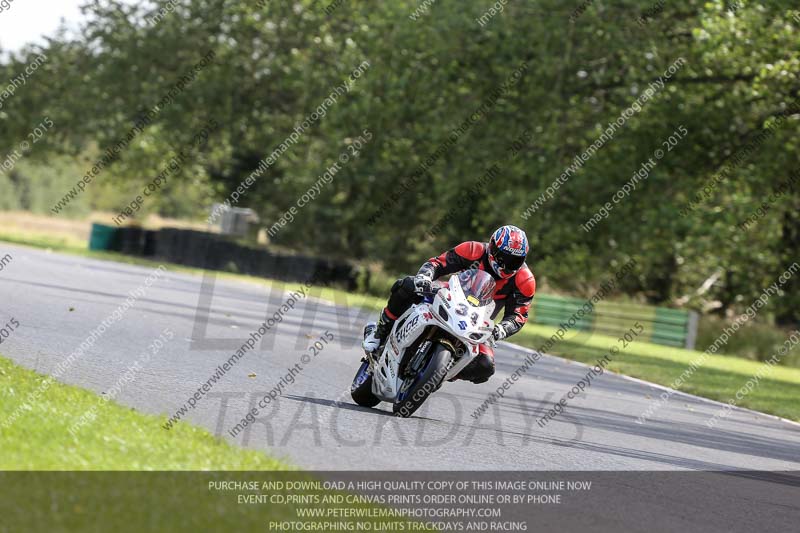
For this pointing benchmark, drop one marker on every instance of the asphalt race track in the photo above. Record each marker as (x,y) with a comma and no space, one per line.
(314,424)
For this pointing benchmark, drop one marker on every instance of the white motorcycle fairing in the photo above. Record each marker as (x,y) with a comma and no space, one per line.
(451,311)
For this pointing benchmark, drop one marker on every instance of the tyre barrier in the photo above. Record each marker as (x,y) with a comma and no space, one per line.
(212,251)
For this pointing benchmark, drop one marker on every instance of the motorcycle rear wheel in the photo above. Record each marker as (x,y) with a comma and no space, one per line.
(425,383)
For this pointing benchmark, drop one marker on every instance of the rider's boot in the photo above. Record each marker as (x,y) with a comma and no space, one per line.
(375,335)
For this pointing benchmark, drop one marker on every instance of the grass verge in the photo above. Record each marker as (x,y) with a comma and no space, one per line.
(119,438)
(45,486)
(719,378)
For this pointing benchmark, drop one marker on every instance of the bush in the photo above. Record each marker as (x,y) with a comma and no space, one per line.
(38,185)
(9,201)
(756,341)
(374,281)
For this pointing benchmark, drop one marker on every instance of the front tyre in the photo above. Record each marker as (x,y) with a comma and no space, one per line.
(414,394)
(361,389)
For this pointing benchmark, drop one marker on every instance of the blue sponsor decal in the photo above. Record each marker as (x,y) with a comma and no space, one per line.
(462,325)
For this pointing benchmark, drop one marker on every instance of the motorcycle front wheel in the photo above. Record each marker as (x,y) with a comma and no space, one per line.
(417,388)
(361,389)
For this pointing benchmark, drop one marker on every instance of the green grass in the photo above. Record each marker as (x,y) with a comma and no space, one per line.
(63,243)
(119,438)
(160,479)
(718,379)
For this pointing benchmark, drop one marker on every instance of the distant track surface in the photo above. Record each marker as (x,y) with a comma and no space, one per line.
(306,425)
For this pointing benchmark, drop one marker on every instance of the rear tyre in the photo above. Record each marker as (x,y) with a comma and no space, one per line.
(361,389)
(425,383)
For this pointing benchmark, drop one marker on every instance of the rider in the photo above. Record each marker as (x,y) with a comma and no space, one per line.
(504,258)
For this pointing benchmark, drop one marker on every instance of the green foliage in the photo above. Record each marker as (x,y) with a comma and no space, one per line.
(753,341)
(274,65)
(37,185)
(9,200)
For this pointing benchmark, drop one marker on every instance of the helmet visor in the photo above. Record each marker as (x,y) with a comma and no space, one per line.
(509,262)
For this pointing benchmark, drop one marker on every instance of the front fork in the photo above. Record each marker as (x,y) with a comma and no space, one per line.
(413,360)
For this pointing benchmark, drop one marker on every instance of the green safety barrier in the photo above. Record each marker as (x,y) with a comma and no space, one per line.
(670,327)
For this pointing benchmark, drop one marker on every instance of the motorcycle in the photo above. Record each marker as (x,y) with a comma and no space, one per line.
(430,343)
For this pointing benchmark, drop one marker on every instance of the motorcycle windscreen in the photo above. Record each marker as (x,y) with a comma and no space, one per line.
(478,287)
